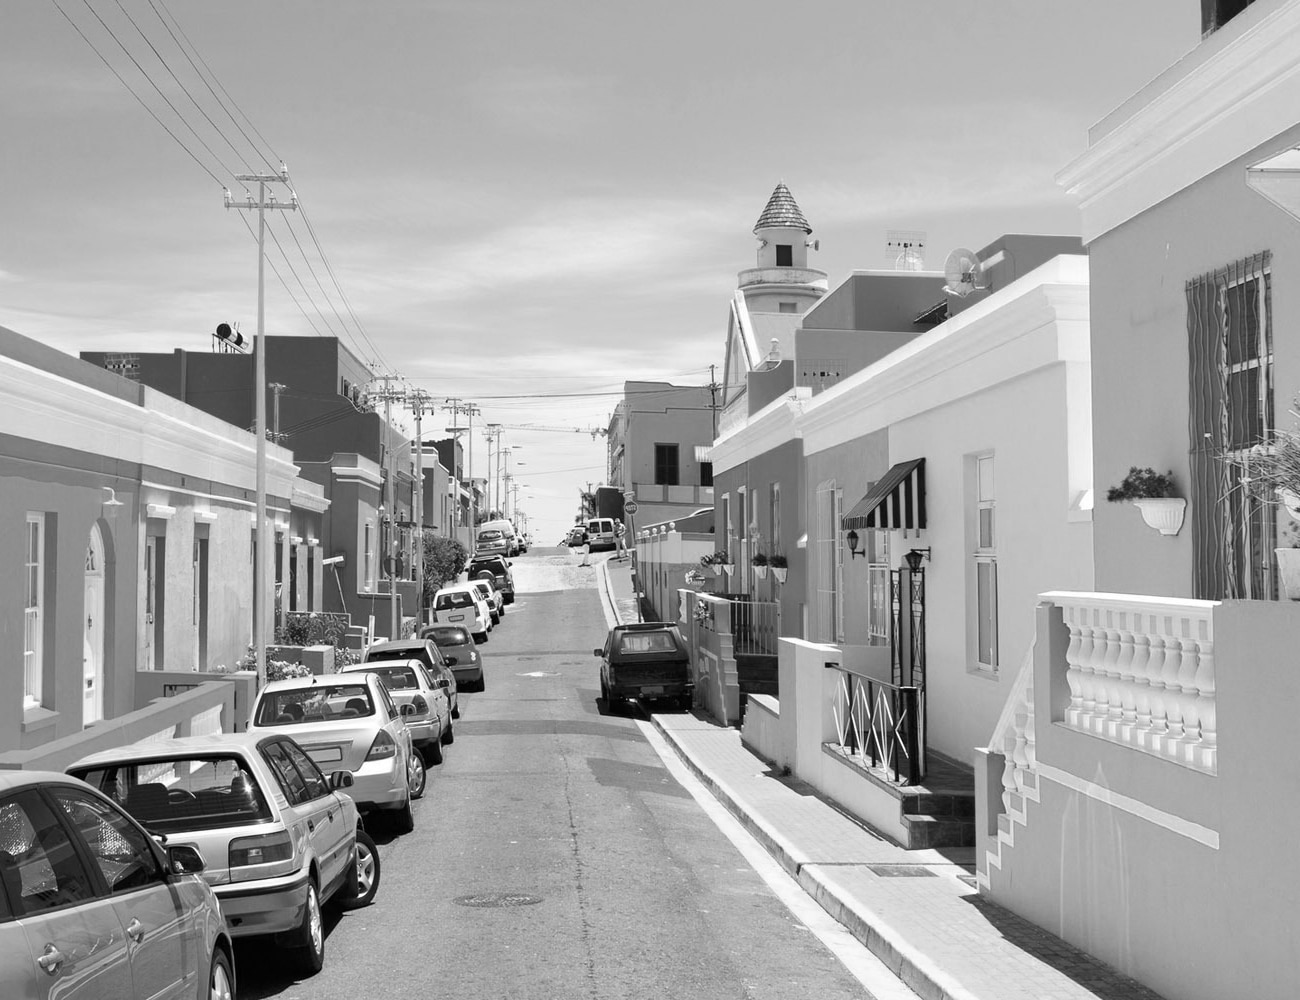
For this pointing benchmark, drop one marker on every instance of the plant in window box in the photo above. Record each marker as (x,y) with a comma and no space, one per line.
(780,567)
(759,562)
(1153,494)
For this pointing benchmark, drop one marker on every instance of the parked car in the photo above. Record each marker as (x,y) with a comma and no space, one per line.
(507,529)
(494,601)
(410,683)
(241,801)
(91,906)
(498,568)
(461,604)
(428,653)
(577,536)
(348,722)
(459,652)
(492,541)
(600,533)
(646,661)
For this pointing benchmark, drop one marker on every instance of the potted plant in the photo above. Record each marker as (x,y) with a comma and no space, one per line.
(779,566)
(716,561)
(1153,494)
(1271,472)
(759,562)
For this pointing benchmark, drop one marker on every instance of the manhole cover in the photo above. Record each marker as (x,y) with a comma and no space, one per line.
(492,899)
(901,871)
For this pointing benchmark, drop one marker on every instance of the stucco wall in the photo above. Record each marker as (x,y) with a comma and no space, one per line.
(662,413)
(1140,353)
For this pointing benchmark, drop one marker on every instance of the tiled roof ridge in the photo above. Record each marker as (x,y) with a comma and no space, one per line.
(782,212)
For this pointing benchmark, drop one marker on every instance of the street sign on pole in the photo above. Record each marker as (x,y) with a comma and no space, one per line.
(630,507)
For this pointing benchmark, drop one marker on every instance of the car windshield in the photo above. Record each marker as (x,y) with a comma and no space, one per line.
(489,536)
(318,703)
(448,600)
(396,677)
(646,642)
(449,635)
(204,792)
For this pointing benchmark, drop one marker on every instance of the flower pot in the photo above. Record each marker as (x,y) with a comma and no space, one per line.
(717,568)
(1165,514)
(760,572)
(1288,572)
(728,567)
(779,572)
(1291,501)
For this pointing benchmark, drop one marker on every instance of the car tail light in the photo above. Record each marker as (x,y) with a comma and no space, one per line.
(383,747)
(421,706)
(265,856)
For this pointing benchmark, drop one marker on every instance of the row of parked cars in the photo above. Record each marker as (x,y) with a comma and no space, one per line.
(132,874)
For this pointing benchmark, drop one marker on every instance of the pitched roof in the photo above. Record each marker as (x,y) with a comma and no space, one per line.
(782,212)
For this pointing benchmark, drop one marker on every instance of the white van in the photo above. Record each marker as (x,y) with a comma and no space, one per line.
(600,533)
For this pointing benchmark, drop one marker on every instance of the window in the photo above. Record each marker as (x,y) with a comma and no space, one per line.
(34,611)
(706,473)
(787,307)
(38,863)
(774,518)
(120,850)
(830,566)
(666,466)
(368,558)
(985,557)
(290,781)
(312,777)
(183,793)
(784,256)
(878,581)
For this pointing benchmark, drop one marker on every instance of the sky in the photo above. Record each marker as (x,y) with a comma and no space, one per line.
(518,202)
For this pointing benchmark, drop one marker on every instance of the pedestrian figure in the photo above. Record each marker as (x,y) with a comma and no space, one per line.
(620,540)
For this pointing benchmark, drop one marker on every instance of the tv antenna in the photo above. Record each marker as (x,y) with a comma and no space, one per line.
(905,249)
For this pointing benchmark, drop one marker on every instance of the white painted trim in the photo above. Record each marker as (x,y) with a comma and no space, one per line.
(296,539)
(313,541)
(1142,810)
(1035,322)
(1237,90)
(357,474)
(233,501)
(205,517)
(774,425)
(162,511)
(316,503)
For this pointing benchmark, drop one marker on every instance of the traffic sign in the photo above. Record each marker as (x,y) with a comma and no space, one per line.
(630,507)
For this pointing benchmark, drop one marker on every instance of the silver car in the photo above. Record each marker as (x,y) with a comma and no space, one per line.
(92,907)
(410,683)
(280,839)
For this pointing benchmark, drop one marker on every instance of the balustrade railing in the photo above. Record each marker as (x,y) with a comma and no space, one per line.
(756,626)
(880,724)
(1141,673)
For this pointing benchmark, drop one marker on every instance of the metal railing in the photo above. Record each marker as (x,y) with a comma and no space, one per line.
(880,724)
(755,626)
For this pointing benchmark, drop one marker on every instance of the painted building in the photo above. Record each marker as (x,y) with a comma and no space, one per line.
(129,527)
(652,437)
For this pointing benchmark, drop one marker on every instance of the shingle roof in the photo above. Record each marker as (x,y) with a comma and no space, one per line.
(782,212)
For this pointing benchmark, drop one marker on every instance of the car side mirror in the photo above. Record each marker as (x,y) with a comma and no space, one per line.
(340,779)
(597,652)
(185,860)
(451,661)
(407,709)
(510,563)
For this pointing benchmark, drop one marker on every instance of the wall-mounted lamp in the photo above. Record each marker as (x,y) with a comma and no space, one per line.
(852,539)
(914,558)
(112,500)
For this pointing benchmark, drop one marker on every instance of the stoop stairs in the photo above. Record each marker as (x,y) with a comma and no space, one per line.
(1014,736)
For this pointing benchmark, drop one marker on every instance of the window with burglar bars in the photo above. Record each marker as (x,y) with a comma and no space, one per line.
(774,520)
(33,610)
(1230,348)
(986,565)
(830,569)
(878,591)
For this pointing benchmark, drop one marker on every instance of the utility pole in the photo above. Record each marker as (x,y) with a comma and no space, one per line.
(493,436)
(264,544)
(389,394)
(419,398)
(455,476)
(471,410)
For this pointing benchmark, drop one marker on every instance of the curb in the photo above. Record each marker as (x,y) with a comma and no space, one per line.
(607,602)
(919,974)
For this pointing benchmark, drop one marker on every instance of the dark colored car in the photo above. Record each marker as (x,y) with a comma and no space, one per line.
(460,653)
(647,661)
(498,568)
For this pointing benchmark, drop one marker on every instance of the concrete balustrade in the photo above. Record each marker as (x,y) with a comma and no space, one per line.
(1140,672)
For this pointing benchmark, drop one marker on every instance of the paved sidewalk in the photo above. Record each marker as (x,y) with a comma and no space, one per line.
(916,910)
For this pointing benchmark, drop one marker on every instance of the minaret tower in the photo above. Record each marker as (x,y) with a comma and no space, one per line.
(782,281)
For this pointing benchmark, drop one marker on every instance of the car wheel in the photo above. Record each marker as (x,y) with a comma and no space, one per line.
(416,776)
(604,691)
(455,713)
(404,822)
(366,884)
(480,637)
(448,735)
(434,753)
(311,935)
(221,980)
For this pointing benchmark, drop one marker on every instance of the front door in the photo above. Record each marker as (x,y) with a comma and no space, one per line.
(92,709)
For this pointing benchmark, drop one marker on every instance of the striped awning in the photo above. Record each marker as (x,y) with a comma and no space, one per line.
(897,501)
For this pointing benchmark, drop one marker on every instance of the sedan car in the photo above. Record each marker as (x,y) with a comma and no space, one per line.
(461,604)
(428,653)
(410,683)
(280,839)
(349,723)
(459,652)
(91,906)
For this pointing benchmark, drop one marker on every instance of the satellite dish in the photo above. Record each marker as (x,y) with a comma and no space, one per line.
(963,273)
(815,244)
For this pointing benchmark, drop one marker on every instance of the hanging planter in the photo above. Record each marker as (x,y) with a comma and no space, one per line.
(1165,514)
(780,573)
(779,566)
(760,571)
(717,568)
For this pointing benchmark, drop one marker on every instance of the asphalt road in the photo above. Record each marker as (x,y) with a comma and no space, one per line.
(554,856)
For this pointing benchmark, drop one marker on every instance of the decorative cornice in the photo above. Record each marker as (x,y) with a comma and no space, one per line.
(310,500)
(1232,94)
(161,511)
(774,425)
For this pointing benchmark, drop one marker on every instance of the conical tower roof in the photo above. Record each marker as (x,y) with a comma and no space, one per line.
(782,212)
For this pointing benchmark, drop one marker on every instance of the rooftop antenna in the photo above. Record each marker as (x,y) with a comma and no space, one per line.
(905,249)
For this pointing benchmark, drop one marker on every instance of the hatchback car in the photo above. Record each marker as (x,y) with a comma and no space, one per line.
(492,541)
(460,604)
(459,652)
(350,723)
(494,601)
(497,568)
(428,653)
(91,906)
(280,839)
(410,683)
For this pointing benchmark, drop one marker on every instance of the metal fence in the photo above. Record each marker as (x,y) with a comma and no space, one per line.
(881,724)
(755,626)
